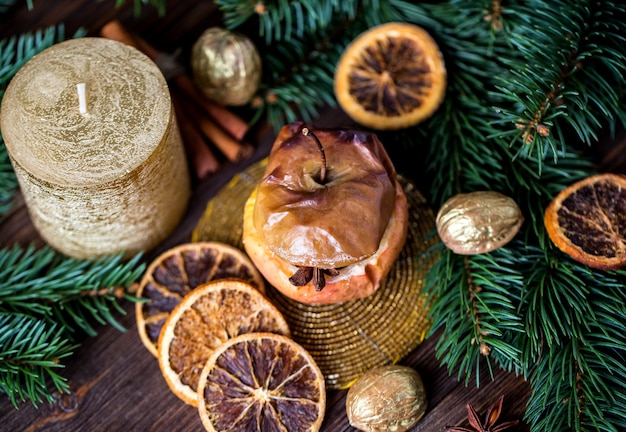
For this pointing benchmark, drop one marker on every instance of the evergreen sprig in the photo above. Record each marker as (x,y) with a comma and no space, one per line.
(159,5)
(72,292)
(8,181)
(300,43)
(17,50)
(45,300)
(585,41)
(485,293)
(576,352)
(480,154)
(6,4)
(31,351)
(281,21)
(299,80)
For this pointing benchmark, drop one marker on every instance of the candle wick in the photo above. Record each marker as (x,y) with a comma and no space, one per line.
(82,98)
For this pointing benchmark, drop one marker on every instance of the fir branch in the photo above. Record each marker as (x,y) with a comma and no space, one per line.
(551,284)
(298,72)
(281,21)
(44,298)
(475,309)
(577,59)
(236,12)
(299,80)
(31,351)
(471,150)
(159,5)
(463,158)
(47,285)
(17,50)
(580,384)
(464,152)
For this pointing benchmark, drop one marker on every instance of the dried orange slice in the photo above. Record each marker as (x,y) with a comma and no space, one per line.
(207,317)
(261,382)
(179,270)
(587,221)
(391,77)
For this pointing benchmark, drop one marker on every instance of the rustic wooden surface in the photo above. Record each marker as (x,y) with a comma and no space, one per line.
(116,384)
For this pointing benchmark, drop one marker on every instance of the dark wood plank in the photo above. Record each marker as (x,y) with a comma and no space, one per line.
(116,384)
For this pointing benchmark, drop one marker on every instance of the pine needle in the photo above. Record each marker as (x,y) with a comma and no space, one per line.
(42,283)
(31,352)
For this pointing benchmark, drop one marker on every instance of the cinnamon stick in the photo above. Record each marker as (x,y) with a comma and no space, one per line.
(199,154)
(116,31)
(231,148)
(228,120)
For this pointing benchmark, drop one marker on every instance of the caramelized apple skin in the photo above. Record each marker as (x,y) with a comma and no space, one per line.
(330,223)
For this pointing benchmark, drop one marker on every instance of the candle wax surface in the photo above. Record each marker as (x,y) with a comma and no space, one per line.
(111,179)
(128,111)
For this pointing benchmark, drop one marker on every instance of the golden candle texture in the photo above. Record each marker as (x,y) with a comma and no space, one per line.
(90,130)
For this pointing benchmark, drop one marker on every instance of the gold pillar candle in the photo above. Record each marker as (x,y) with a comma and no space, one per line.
(90,130)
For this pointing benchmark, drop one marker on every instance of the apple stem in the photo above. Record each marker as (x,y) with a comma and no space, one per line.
(309,133)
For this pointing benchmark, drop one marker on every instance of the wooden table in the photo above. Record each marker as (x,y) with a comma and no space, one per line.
(115,383)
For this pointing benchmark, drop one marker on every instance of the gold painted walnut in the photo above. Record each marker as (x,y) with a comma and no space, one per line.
(478,222)
(226,66)
(387,398)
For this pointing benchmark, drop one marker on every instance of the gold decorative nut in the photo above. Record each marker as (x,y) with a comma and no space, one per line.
(386,398)
(478,222)
(226,66)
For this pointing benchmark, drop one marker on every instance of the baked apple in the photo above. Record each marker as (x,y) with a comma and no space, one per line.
(329,218)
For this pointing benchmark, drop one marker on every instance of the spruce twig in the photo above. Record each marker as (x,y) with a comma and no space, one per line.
(586,42)
(300,45)
(281,21)
(159,5)
(299,83)
(45,299)
(6,4)
(31,351)
(554,350)
(8,181)
(41,283)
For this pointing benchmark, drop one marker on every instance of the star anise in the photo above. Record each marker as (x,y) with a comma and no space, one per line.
(490,420)
(315,275)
